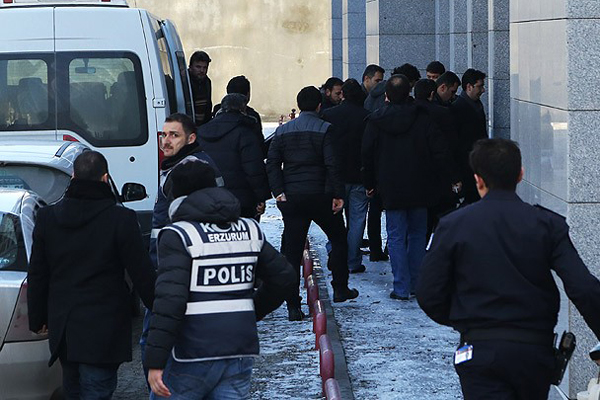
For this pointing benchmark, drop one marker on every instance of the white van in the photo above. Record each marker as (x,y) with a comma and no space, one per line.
(97,72)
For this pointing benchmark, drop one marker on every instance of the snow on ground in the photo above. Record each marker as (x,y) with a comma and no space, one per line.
(393,350)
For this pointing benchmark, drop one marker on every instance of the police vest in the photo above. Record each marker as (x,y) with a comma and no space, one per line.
(219,321)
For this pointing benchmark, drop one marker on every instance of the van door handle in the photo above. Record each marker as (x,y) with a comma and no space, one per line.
(158,103)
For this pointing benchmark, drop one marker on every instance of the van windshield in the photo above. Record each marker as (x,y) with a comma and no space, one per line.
(98,95)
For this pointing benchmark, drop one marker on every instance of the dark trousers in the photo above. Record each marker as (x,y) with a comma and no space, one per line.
(298,212)
(89,381)
(503,370)
(374,224)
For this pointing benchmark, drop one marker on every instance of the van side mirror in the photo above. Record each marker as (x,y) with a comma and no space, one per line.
(133,192)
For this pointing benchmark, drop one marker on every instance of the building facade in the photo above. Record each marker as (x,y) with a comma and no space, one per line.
(540,57)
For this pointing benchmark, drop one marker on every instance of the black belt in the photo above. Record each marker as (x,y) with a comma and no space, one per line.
(509,334)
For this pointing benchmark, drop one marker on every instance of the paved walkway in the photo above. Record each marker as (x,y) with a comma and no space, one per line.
(392,350)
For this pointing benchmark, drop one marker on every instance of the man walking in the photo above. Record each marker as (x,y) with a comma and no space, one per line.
(471,125)
(203,338)
(82,247)
(229,140)
(305,179)
(489,275)
(348,120)
(403,152)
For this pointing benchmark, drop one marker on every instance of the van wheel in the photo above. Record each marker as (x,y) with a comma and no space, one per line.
(58,395)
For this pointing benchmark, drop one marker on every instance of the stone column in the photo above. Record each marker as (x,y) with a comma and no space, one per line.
(400,31)
(442,31)
(555,116)
(354,38)
(498,82)
(336,38)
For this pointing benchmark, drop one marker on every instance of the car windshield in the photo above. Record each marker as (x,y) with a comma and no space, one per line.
(12,249)
(49,183)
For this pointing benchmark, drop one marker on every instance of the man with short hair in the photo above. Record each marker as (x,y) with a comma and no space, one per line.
(178,143)
(448,183)
(471,125)
(489,274)
(332,93)
(201,86)
(403,152)
(82,247)
(348,121)
(434,69)
(447,86)
(229,141)
(372,75)
(305,179)
(411,72)
(203,339)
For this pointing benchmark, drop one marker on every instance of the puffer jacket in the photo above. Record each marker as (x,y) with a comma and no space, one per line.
(232,144)
(303,147)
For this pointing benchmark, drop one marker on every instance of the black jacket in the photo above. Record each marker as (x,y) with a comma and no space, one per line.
(170,326)
(403,153)
(443,119)
(470,123)
(304,148)
(256,125)
(82,247)
(229,140)
(349,123)
(490,268)
(202,95)
(376,98)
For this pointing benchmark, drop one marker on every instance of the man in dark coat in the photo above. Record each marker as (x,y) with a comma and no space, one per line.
(348,121)
(305,179)
(490,274)
(201,86)
(203,337)
(403,150)
(447,184)
(240,84)
(471,125)
(332,93)
(229,140)
(82,247)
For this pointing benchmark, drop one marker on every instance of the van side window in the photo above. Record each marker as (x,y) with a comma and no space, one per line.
(189,109)
(104,100)
(24,100)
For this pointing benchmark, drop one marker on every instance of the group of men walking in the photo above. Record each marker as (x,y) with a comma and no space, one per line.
(403,145)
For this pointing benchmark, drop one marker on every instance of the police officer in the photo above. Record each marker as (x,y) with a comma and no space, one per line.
(489,276)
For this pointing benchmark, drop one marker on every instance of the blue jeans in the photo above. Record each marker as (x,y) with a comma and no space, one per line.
(357,204)
(89,381)
(144,338)
(208,380)
(407,233)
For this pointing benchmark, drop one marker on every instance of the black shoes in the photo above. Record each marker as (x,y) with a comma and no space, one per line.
(344,294)
(381,256)
(396,297)
(295,314)
(358,270)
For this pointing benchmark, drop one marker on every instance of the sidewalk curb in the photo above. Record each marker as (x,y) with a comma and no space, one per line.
(341,369)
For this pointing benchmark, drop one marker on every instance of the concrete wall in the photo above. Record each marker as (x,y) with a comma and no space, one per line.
(280,45)
(555,118)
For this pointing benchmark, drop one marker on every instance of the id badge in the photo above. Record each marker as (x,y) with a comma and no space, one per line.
(463,354)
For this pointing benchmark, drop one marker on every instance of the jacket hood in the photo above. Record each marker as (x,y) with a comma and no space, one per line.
(396,119)
(378,90)
(222,124)
(83,201)
(213,205)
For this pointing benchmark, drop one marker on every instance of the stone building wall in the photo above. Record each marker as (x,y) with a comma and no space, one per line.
(279,45)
